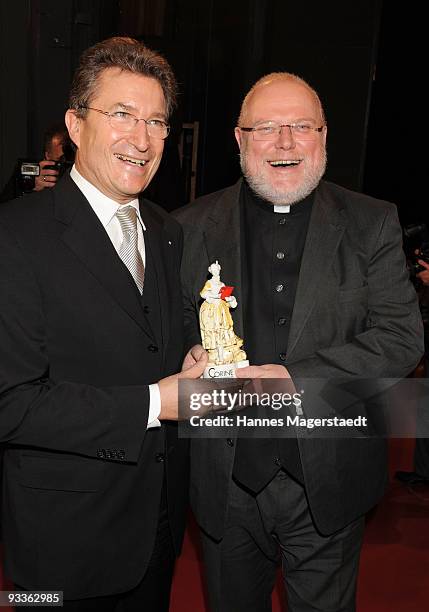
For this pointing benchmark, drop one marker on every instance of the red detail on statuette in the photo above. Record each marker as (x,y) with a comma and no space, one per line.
(226,292)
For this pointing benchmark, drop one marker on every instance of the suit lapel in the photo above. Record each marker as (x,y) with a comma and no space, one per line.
(156,242)
(86,237)
(223,242)
(324,233)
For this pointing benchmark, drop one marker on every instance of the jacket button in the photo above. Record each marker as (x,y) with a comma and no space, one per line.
(121,454)
(152,348)
(230,441)
(146,309)
(282,356)
(277,461)
(101,453)
(159,457)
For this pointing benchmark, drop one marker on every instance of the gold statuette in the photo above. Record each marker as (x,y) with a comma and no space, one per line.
(217,328)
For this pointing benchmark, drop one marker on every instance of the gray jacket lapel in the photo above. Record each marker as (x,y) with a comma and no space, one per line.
(327,224)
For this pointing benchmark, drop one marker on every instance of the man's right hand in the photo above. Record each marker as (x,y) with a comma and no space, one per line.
(424,275)
(195,363)
(47,177)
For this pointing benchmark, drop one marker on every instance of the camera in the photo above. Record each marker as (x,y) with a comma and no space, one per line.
(417,236)
(61,166)
(28,170)
(26,176)
(65,162)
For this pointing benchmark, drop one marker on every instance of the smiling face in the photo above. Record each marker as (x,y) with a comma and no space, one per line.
(119,164)
(286,169)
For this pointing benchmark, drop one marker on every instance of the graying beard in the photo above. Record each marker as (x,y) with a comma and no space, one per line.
(264,191)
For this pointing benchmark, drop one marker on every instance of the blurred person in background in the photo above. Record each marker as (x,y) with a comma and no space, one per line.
(29,176)
(419,266)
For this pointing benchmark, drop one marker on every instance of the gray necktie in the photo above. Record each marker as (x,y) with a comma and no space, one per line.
(128,252)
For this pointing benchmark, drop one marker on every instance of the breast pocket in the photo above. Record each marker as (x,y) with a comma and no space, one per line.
(61,473)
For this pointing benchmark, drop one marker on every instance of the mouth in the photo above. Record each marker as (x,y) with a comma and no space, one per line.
(131,160)
(284,163)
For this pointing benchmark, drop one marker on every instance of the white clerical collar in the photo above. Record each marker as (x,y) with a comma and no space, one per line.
(105,208)
(282,208)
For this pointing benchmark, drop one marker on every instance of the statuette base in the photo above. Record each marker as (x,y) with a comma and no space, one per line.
(224,371)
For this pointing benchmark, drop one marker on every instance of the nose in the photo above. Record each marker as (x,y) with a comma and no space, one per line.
(285,139)
(139,136)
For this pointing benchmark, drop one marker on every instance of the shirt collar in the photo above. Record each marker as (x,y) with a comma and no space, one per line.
(297,209)
(105,208)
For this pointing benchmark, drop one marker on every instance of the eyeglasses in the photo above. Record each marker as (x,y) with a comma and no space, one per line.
(126,122)
(271,129)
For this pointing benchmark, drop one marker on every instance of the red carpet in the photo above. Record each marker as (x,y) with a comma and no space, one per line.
(394,570)
(394,573)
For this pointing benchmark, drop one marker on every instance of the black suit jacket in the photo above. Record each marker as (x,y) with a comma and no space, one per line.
(82,474)
(355,315)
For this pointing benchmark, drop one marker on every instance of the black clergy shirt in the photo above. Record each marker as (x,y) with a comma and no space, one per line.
(272,247)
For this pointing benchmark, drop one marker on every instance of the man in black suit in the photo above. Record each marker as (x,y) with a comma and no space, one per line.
(91,336)
(322,292)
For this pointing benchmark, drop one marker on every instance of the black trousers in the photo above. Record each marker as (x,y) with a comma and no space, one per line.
(275,526)
(151,594)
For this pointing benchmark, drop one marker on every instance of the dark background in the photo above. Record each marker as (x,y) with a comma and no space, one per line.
(362,58)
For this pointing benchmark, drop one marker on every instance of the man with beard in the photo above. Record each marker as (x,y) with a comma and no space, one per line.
(322,292)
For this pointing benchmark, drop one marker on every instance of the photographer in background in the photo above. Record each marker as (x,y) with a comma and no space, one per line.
(57,148)
(417,236)
(29,176)
(424,275)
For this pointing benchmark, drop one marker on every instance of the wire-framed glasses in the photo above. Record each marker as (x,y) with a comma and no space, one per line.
(271,129)
(126,122)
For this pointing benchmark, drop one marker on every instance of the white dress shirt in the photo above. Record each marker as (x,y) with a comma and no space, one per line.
(106,209)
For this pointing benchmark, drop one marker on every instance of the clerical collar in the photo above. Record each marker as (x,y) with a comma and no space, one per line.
(298,208)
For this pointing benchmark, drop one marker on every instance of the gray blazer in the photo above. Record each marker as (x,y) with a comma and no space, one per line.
(355,315)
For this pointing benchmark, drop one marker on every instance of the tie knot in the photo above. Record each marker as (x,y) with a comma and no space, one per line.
(127,216)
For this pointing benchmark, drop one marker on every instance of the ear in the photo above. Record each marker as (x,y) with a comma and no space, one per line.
(238,136)
(325,133)
(73,122)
